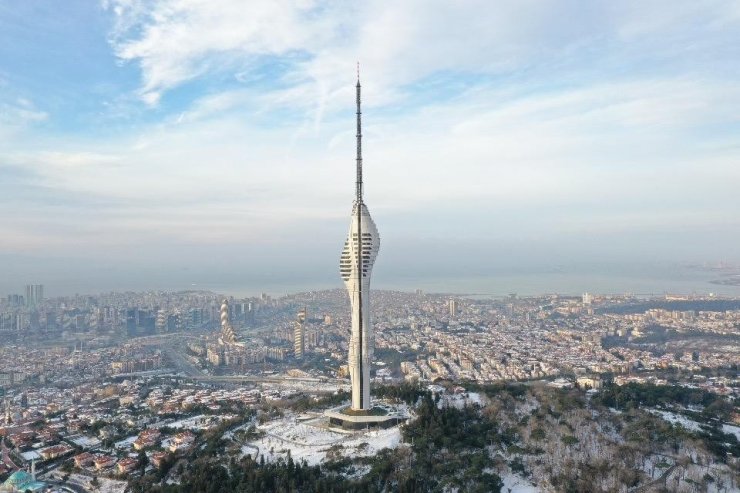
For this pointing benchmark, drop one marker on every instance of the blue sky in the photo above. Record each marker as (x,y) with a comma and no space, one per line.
(162,143)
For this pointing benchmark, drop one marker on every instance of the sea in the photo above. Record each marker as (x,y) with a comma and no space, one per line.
(562,281)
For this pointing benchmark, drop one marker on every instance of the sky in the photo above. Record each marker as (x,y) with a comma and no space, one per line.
(164,144)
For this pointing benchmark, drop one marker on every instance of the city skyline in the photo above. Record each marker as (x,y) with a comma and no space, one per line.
(172,146)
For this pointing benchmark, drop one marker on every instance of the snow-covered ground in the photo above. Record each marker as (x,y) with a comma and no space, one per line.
(200,422)
(126,443)
(302,386)
(517,484)
(655,465)
(31,455)
(230,434)
(690,424)
(677,418)
(460,400)
(312,442)
(111,486)
(85,442)
(106,485)
(735,430)
(696,473)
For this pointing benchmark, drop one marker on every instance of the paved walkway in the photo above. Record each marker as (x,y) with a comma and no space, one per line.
(657,482)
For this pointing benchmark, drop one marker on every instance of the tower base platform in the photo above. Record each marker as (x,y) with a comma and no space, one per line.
(377,417)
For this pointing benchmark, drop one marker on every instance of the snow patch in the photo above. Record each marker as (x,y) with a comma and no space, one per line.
(735,430)
(674,418)
(517,484)
(313,442)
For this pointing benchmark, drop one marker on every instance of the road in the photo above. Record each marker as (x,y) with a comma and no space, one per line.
(76,488)
(6,455)
(183,365)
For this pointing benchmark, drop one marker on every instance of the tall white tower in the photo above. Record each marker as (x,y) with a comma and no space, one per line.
(355,266)
(299,334)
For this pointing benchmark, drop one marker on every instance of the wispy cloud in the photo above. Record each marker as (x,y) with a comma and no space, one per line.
(175,41)
(20,112)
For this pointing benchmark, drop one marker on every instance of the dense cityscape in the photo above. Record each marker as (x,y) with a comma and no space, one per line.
(119,385)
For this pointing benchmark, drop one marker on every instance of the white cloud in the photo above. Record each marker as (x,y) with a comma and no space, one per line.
(597,151)
(574,120)
(175,41)
(398,43)
(20,112)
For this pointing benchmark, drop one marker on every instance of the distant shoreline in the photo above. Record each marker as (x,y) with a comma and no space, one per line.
(644,282)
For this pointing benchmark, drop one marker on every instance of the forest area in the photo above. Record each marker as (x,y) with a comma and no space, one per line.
(560,440)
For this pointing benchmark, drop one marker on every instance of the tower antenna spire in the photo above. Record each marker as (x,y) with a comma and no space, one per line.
(359,141)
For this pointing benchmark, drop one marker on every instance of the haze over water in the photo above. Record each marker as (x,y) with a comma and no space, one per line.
(566,281)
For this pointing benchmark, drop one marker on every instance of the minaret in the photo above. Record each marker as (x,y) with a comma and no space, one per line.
(356,264)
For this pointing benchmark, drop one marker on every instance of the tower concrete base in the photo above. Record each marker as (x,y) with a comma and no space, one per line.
(377,417)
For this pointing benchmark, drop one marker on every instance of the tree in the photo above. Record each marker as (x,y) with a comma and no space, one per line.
(537,434)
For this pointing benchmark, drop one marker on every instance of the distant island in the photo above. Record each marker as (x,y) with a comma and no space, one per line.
(733,280)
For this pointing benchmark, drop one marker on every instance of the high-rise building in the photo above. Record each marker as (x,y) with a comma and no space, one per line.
(453,308)
(299,334)
(174,322)
(227,331)
(196,318)
(355,266)
(34,294)
(132,318)
(16,299)
(161,323)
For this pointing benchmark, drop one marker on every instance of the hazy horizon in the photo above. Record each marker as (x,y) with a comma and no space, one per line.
(573,279)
